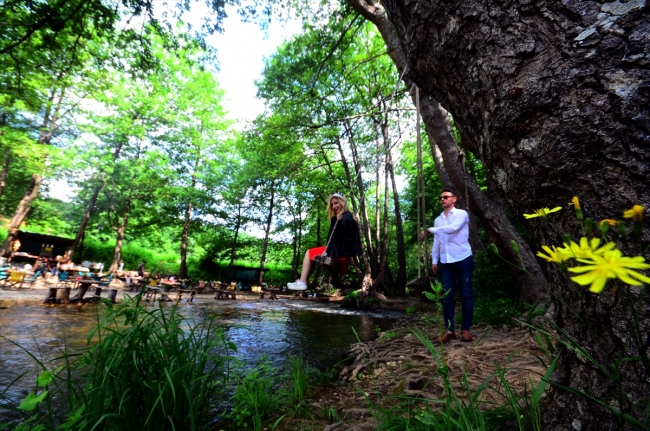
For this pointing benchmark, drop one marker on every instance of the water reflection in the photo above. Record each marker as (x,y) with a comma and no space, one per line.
(319,332)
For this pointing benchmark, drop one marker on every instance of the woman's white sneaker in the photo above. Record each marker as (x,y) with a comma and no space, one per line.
(297,285)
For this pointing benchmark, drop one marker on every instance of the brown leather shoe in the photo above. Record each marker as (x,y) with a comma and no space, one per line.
(448,336)
(465,335)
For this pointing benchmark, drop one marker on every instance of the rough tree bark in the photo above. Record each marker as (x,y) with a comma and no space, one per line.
(553,98)
(436,121)
(19,215)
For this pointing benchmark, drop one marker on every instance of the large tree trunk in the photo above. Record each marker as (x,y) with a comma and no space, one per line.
(494,218)
(19,215)
(552,97)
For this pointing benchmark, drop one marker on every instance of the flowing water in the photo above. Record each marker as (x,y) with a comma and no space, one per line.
(318,332)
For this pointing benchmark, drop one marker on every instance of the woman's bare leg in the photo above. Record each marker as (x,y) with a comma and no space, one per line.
(307,268)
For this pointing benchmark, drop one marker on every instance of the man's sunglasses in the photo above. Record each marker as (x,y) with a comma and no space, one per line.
(447,197)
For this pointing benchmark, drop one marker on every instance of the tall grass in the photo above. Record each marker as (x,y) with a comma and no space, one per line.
(257,397)
(145,370)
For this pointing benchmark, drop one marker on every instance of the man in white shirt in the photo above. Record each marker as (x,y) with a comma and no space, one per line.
(453,262)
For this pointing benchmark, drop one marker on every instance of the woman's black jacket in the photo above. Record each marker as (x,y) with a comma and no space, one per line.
(346,241)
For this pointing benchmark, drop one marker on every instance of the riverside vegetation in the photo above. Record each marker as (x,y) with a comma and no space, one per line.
(154,370)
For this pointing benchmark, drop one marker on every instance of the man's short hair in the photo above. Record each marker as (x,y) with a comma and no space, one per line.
(449,191)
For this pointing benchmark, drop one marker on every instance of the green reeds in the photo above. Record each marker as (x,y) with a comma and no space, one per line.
(144,370)
(258,396)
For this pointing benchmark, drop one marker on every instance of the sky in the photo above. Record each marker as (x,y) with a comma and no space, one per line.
(241,50)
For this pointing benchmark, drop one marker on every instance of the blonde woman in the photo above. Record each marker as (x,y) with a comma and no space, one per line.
(343,241)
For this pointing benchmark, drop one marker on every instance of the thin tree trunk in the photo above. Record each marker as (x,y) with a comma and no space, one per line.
(367,234)
(267,231)
(69,255)
(233,246)
(81,231)
(400,281)
(367,285)
(19,215)
(447,183)
(120,229)
(182,271)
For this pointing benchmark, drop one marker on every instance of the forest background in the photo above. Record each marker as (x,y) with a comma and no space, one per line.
(133,119)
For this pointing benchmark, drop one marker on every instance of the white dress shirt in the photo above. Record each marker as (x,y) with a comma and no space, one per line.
(451,233)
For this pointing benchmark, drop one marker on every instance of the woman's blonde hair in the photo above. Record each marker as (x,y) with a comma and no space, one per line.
(342,200)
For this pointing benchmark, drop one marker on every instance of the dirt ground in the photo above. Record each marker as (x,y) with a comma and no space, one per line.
(398,364)
(395,364)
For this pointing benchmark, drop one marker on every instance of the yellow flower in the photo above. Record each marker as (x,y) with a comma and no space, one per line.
(612,264)
(542,212)
(557,255)
(636,212)
(609,221)
(576,202)
(587,249)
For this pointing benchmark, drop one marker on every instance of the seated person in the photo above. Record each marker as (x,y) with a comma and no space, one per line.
(343,241)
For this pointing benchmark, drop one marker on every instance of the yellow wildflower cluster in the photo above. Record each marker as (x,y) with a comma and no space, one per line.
(599,264)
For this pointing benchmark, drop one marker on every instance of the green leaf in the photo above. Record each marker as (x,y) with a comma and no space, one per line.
(44,379)
(31,401)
